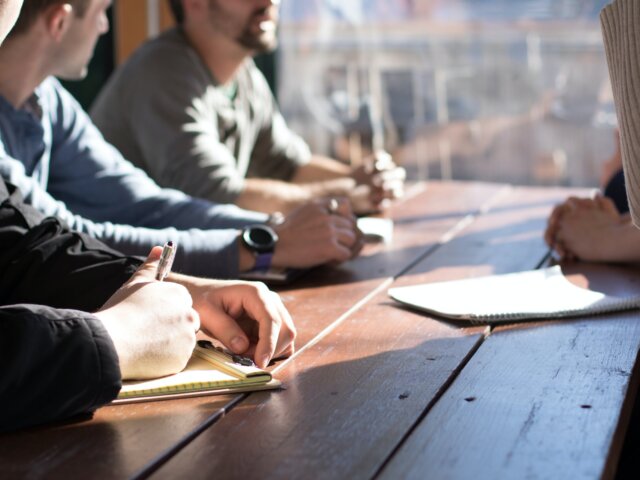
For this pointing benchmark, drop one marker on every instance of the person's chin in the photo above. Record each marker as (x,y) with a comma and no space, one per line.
(79,74)
(263,44)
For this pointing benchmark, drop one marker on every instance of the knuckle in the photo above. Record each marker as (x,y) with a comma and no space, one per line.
(178,290)
(344,256)
(290,334)
(275,297)
(261,287)
(194,319)
(329,251)
(276,321)
(261,290)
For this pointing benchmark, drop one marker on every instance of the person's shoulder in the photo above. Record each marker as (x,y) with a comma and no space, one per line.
(53,93)
(250,68)
(165,60)
(60,108)
(250,77)
(164,51)
(50,85)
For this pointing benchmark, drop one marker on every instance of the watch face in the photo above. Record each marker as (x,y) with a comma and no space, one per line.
(260,238)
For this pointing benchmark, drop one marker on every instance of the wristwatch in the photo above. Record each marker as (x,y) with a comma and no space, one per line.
(261,240)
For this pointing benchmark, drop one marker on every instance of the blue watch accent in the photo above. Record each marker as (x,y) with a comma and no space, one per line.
(263,261)
(261,241)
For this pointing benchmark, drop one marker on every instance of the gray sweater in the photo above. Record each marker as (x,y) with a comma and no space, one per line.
(168,116)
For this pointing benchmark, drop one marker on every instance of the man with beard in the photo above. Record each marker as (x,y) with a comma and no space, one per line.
(77,318)
(191,108)
(63,166)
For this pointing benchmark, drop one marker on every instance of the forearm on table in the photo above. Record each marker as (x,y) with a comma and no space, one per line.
(269,195)
(276,196)
(624,246)
(319,169)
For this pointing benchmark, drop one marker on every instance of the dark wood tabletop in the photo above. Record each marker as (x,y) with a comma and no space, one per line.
(378,391)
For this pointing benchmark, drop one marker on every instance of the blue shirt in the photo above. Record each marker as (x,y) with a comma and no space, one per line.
(51,150)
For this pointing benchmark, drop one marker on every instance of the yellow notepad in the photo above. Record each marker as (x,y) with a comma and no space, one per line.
(210,371)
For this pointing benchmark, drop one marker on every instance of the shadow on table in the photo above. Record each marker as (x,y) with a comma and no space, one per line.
(115,442)
(413,219)
(348,406)
(520,242)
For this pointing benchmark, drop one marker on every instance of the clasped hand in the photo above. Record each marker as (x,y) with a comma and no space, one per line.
(378,180)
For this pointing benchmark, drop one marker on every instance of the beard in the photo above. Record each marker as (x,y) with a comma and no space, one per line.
(261,41)
(264,43)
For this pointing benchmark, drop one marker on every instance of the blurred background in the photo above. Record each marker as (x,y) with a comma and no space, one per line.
(499,90)
(496,90)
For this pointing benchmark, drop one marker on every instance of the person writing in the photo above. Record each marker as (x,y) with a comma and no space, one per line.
(58,359)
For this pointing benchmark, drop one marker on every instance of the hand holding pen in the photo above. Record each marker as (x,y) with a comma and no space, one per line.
(152,324)
(227,308)
(166,260)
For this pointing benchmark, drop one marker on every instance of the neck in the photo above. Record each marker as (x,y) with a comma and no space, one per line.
(222,56)
(23,69)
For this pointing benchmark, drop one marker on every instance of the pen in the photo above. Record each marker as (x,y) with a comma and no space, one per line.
(166,260)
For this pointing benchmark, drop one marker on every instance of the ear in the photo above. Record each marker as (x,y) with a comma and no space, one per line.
(58,18)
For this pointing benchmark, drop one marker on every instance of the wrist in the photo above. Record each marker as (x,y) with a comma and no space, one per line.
(299,194)
(337,187)
(275,219)
(260,241)
(110,320)
(246,259)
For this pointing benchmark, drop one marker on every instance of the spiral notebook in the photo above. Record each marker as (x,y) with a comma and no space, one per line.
(210,371)
(535,294)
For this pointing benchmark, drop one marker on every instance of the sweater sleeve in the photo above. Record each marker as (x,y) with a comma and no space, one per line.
(620,24)
(180,145)
(195,138)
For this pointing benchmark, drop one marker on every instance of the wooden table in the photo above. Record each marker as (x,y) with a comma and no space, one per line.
(378,391)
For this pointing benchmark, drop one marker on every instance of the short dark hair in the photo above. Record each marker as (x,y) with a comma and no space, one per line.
(177,10)
(32,8)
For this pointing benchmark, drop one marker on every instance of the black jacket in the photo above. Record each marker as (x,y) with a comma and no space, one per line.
(56,360)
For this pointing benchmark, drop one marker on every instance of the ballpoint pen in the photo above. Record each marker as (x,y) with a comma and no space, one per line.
(166,260)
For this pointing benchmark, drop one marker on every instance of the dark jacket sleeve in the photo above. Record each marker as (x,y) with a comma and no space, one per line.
(55,364)
(43,262)
(56,361)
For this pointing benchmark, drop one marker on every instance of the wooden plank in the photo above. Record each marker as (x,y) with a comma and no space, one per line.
(325,294)
(507,238)
(120,441)
(166,17)
(353,395)
(537,400)
(130,27)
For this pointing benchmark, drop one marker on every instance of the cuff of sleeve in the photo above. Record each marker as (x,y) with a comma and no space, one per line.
(208,253)
(231,216)
(110,377)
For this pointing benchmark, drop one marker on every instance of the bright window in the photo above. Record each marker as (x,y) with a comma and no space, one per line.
(496,90)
